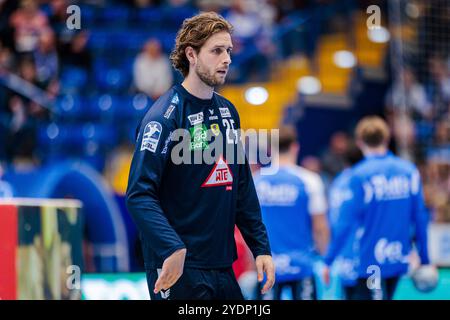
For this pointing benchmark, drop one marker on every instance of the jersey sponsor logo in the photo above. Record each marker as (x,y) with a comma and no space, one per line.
(169,111)
(384,188)
(212,116)
(175,99)
(199,138)
(225,112)
(215,129)
(166,143)
(196,118)
(152,134)
(220,175)
(277,194)
(389,252)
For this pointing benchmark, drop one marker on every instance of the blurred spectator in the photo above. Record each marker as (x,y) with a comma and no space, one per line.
(438,87)
(7,60)
(315,165)
(312,163)
(144,3)
(7,8)
(75,53)
(252,47)
(28,22)
(334,158)
(152,71)
(46,58)
(21,119)
(58,15)
(407,93)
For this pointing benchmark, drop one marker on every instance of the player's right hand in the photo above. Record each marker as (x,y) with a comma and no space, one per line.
(172,270)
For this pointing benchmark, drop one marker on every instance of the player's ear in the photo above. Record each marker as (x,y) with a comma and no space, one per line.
(359,144)
(191,55)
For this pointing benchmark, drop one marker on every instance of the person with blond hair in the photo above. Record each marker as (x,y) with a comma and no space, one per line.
(383,203)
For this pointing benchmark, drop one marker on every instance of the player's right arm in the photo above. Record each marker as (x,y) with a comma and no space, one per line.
(146,171)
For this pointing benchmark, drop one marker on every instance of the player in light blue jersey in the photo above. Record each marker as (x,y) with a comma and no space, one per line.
(385,213)
(293,207)
(339,193)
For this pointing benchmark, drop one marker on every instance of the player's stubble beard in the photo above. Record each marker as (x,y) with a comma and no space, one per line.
(206,77)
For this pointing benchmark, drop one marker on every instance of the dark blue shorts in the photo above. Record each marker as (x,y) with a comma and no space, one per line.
(198,284)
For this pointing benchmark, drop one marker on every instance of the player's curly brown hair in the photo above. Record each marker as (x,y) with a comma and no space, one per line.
(194,33)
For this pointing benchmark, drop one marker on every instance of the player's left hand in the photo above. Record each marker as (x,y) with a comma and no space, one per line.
(264,264)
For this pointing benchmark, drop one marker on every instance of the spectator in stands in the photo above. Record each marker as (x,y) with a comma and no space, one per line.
(46,58)
(28,22)
(152,71)
(7,59)
(251,44)
(407,93)
(314,164)
(334,158)
(58,15)
(438,88)
(75,53)
(21,119)
(143,3)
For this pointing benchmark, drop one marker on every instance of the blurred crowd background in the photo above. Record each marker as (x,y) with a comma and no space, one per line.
(317,64)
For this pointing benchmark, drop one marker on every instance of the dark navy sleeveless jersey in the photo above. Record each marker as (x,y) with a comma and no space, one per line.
(180,204)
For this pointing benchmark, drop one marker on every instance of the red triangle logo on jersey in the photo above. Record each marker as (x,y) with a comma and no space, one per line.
(220,175)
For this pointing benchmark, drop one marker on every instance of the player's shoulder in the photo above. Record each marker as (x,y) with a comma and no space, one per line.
(404,164)
(164,106)
(308,177)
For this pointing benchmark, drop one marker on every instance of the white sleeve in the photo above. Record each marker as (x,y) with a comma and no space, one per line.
(316,192)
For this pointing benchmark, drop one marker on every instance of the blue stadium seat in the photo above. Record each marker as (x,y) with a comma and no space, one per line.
(102,106)
(112,78)
(73,79)
(116,16)
(150,18)
(174,17)
(70,107)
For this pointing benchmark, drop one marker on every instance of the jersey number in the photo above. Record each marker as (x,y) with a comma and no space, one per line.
(231,132)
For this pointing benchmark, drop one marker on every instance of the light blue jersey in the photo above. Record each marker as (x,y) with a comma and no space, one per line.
(386,210)
(288,199)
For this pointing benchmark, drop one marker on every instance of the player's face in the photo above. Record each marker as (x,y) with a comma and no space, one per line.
(214,59)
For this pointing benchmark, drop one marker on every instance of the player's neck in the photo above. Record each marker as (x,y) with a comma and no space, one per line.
(286,160)
(197,87)
(379,151)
